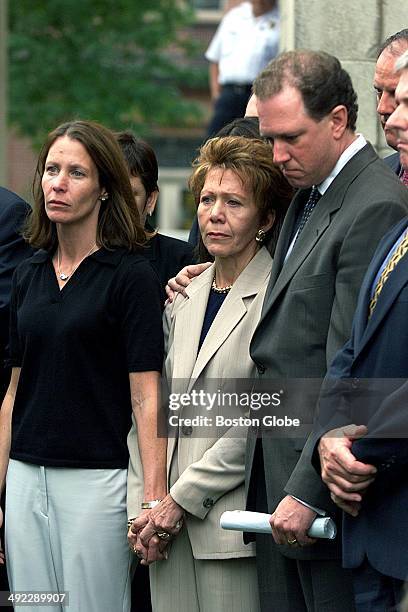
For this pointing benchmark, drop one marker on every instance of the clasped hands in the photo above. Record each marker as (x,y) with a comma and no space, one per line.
(346,477)
(165,518)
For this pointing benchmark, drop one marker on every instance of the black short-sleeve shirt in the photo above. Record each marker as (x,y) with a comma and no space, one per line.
(76,348)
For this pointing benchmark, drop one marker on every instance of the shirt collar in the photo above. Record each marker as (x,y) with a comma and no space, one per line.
(357,144)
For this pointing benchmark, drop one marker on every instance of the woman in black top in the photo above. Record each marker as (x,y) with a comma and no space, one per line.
(86,349)
(167,255)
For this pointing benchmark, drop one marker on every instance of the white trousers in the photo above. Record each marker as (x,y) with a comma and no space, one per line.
(66,531)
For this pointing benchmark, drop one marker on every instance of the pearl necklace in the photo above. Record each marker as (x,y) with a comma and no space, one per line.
(220,289)
(61,275)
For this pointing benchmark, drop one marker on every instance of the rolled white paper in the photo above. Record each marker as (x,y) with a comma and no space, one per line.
(258,522)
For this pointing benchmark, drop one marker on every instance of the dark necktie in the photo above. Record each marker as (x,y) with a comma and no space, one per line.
(404,178)
(314,197)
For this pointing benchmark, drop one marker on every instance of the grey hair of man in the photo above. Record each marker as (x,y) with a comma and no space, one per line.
(319,78)
(402,62)
(393,43)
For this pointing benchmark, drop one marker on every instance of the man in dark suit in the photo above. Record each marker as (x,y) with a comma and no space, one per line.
(13,249)
(365,466)
(385,83)
(347,200)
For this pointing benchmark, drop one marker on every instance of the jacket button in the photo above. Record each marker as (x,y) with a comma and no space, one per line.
(208,502)
(260,368)
(355,383)
(186,430)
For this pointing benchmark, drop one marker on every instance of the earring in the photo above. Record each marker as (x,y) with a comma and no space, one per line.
(104,197)
(260,236)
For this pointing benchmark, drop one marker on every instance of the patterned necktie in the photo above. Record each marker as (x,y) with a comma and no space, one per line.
(394,259)
(404,178)
(314,197)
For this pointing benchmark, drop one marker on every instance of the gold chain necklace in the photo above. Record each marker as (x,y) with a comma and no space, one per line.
(61,275)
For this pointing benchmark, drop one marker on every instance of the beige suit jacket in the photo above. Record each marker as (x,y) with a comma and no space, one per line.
(210,470)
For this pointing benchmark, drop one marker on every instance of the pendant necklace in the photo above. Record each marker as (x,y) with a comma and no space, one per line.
(61,275)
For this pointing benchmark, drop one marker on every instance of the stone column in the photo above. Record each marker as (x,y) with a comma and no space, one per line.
(353,32)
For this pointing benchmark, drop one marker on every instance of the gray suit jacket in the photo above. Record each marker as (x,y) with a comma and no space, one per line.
(308,310)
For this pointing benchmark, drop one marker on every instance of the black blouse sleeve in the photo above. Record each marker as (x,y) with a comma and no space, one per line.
(140,317)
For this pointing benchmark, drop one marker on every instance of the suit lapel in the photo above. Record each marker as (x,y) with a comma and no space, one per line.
(283,244)
(364,328)
(234,308)
(229,315)
(360,318)
(311,234)
(189,318)
(188,324)
(317,224)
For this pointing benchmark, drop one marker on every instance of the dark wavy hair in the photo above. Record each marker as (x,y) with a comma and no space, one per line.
(119,221)
(318,76)
(251,159)
(141,160)
(243,126)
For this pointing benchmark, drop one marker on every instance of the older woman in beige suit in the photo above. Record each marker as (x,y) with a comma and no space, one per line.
(241,198)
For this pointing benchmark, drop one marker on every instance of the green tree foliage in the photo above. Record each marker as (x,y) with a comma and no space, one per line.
(120,62)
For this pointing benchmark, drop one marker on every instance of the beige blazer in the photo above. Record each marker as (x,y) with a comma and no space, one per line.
(206,474)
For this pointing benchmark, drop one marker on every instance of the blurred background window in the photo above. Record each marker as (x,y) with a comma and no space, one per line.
(207,4)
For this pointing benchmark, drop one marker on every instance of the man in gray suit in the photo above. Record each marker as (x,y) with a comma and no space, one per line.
(347,200)
(385,82)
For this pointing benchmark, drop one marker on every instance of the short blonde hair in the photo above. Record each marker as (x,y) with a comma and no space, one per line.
(252,160)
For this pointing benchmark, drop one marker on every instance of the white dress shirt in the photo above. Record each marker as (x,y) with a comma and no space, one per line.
(244,44)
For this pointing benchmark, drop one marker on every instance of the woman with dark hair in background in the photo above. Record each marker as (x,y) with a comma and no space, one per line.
(86,349)
(167,255)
